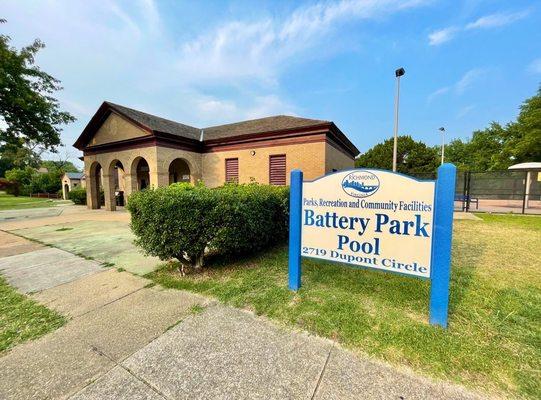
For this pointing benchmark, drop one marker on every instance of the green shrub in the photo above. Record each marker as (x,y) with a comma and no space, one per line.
(183,221)
(78,196)
(10,187)
(253,217)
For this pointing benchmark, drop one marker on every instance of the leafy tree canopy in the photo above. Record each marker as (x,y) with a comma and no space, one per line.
(480,153)
(522,139)
(59,166)
(31,115)
(413,156)
(17,155)
(497,147)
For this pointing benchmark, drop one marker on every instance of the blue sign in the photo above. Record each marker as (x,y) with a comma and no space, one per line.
(376,219)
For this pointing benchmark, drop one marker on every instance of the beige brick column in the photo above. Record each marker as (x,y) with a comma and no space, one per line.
(92,193)
(130,185)
(159,179)
(109,191)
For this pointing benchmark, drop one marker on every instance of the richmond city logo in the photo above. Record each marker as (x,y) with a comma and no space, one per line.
(360,184)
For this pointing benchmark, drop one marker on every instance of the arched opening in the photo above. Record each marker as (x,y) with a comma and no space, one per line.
(141,172)
(117,183)
(66,190)
(96,187)
(179,171)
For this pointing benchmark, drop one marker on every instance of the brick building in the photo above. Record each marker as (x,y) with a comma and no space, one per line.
(127,150)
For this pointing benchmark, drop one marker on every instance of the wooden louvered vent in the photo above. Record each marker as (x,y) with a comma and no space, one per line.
(232,170)
(277,169)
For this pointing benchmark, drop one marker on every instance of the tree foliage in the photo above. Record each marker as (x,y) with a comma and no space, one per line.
(28,180)
(497,147)
(480,153)
(31,114)
(522,139)
(17,155)
(412,156)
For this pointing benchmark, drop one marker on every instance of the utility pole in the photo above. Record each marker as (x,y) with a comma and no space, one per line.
(398,73)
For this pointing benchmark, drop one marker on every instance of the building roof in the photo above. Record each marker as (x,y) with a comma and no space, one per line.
(74,175)
(260,125)
(158,126)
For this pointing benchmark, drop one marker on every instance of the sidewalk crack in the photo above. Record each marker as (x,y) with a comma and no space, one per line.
(143,381)
(109,302)
(322,372)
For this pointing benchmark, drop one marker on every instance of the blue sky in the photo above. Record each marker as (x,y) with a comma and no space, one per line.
(210,62)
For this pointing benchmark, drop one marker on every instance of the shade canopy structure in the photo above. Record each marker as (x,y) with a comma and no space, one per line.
(533,174)
(527,166)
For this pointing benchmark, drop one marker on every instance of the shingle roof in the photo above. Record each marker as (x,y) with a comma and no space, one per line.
(260,125)
(157,123)
(74,175)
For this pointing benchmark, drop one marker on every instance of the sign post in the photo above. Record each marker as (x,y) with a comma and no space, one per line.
(441,250)
(376,219)
(295,210)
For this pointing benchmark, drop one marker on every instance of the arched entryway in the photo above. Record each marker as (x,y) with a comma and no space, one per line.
(117,185)
(66,191)
(140,171)
(95,187)
(179,171)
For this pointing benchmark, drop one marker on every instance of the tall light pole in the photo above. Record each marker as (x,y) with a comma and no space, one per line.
(442,130)
(398,73)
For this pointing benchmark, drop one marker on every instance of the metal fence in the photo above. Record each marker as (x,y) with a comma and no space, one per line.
(496,191)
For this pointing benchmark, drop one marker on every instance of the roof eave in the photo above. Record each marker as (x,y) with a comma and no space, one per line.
(344,141)
(97,120)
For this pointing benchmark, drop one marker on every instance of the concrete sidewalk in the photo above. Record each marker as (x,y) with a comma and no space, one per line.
(127,339)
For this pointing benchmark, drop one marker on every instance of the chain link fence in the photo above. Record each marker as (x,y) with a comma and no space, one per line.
(496,191)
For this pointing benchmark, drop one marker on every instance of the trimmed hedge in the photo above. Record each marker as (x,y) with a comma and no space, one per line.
(78,196)
(183,221)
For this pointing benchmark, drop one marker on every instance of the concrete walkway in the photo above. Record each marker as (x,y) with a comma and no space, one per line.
(127,339)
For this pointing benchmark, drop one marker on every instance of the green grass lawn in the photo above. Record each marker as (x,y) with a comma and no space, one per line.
(9,202)
(494,338)
(23,319)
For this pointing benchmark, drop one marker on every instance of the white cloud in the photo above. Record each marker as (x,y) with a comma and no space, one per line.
(468,79)
(462,85)
(213,111)
(535,66)
(123,51)
(437,93)
(465,111)
(441,36)
(261,49)
(497,20)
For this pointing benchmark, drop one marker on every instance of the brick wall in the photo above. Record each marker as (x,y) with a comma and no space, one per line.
(336,159)
(310,157)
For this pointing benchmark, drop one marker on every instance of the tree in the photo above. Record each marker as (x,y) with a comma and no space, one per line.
(31,114)
(16,156)
(20,178)
(522,139)
(497,147)
(412,157)
(59,166)
(481,153)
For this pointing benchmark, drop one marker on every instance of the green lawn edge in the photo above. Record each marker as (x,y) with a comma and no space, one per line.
(492,345)
(23,319)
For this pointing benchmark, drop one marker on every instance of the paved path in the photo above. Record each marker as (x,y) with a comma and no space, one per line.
(127,339)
